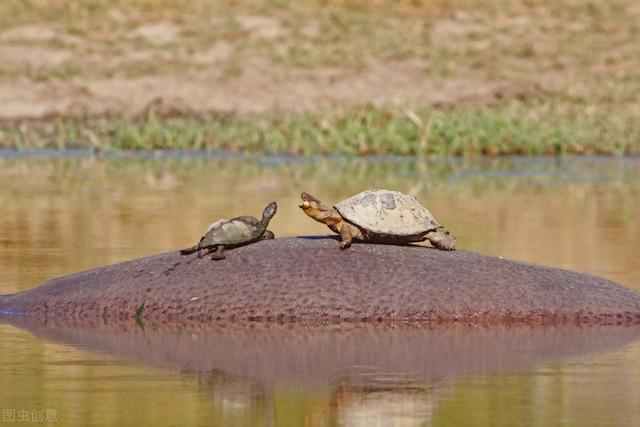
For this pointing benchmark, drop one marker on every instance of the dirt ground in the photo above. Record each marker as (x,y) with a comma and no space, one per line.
(284,60)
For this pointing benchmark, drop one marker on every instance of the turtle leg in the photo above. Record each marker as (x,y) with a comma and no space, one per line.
(267,235)
(441,240)
(218,253)
(346,236)
(202,252)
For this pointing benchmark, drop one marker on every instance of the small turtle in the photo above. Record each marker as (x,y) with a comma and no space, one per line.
(232,233)
(381,216)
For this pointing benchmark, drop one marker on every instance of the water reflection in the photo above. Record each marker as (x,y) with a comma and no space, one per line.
(314,355)
(63,215)
(354,376)
(386,400)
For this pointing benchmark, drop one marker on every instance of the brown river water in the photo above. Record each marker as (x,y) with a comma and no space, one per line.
(64,214)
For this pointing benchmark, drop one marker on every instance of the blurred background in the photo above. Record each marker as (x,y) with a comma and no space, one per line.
(128,126)
(417,77)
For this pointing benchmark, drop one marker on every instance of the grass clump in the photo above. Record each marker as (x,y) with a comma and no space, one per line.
(512,128)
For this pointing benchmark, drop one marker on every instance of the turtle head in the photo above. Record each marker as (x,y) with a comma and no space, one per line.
(269,212)
(318,211)
(309,202)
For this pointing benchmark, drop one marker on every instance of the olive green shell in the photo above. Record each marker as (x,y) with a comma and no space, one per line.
(236,231)
(387,212)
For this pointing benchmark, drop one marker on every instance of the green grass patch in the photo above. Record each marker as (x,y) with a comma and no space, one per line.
(512,128)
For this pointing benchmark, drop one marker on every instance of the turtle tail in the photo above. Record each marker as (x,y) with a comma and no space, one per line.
(190,250)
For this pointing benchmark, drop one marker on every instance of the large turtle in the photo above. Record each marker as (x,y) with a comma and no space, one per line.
(381,216)
(232,233)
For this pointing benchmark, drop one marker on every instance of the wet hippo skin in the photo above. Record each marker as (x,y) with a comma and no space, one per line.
(308,280)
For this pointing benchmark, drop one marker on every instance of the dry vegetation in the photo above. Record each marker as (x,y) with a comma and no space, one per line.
(438,77)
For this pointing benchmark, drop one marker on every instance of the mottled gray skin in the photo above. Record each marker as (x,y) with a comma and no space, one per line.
(239,231)
(379,216)
(307,281)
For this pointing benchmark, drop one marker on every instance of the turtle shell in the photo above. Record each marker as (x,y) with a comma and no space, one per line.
(387,212)
(235,231)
